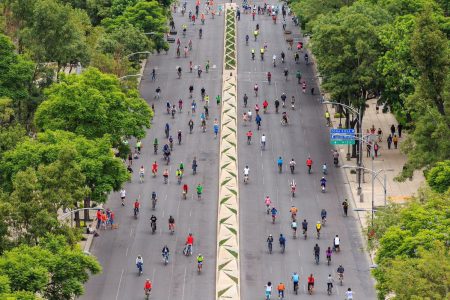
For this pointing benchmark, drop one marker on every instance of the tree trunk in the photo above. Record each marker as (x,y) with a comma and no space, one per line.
(87,204)
(77,217)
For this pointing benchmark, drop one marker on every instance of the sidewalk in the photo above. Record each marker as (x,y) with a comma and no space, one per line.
(391,161)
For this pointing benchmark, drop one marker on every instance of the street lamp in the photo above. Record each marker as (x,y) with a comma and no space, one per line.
(359,114)
(134,53)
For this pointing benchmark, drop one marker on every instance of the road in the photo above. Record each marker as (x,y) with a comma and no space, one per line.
(117,250)
(305,135)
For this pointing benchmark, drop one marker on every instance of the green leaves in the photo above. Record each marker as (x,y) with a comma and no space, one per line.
(93,104)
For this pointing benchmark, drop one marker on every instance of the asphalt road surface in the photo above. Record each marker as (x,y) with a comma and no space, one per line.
(305,135)
(117,250)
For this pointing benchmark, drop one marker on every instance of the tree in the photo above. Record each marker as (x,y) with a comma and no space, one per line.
(396,65)
(310,10)
(57,34)
(53,269)
(94,104)
(424,277)
(103,172)
(429,104)
(124,40)
(439,177)
(412,229)
(16,74)
(148,16)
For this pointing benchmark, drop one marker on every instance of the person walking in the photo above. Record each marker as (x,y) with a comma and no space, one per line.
(399,129)
(369,148)
(392,129)
(345,206)
(153,74)
(389,141)
(395,140)
(375,149)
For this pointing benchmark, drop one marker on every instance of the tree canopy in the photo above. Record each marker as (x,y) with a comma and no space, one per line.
(94,104)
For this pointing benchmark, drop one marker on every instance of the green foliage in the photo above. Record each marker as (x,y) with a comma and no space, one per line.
(310,10)
(94,104)
(148,16)
(16,74)
(102,171)
(439,177)
(395,65)
(411,236)
(53,269)
(429,104)
(346,46)
(57,33)
(124,40)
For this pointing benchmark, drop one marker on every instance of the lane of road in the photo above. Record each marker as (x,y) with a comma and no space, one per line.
(306,135)
(117,250)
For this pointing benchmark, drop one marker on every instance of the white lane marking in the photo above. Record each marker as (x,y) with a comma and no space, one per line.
(131,231)
(184,283)
(126,252)
(118,286)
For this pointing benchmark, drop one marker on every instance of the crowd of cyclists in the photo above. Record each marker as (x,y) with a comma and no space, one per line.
(200,116)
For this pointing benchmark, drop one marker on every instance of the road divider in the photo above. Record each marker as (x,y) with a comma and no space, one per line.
(227,263)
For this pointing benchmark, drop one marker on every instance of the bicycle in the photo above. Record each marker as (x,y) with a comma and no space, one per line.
(269,245)
(296,287)
(329,289)
(141,177)
(166,258)
(341,278)
(283,247)
(316,257)
(153,203)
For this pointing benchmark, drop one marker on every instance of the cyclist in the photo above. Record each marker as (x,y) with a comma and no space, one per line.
(349,294)
(181,167)
(283,99)
(286,73)
(280,164)
(274,212)
(153,220)
(147,287)
(171,224)
(263,141)
(245,100)
(269,76)
(340,271)
(267,202)
(253,54)
(189,244)
(200,262)
(255,88)
(294,227)
(261,51)
(318,227)
(191,125)
(336,243)
(246,39)
(191,89)
(292,165)
(141,174)
(179,137)
(323,183)
(165,252)
(249,137)
(330,281)
(179,175)
(246,173)
(277,105)
(293,210)
(328,254)
(282,241)
(270,242)
(166,175)
(324,169)
(185,190)
(136,207)
(280,289)
(306,58)
(123,193)
(199,190)
(265,105)
(323,215)
(317,253)
(305,227)
(258,121)
(310,283)
(274,60)
(309,163)
(155,145)
(139,263)
(194,166)
(295,280)
(268,290)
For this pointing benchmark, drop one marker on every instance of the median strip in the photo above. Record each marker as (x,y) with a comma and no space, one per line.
(227,268)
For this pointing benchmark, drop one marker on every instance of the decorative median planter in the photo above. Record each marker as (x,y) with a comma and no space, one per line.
(227,264)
